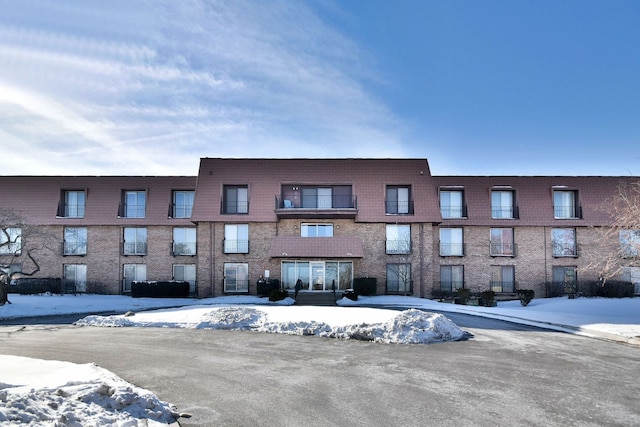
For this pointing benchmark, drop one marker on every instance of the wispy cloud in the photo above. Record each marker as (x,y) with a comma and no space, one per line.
(100,88)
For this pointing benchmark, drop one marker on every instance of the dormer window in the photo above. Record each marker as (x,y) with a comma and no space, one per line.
(452,204)
(565,204)
(236,199)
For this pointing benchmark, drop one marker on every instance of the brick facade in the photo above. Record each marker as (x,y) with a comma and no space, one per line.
(362,218)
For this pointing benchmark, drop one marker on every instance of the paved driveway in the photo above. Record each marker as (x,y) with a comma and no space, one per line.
(504,375)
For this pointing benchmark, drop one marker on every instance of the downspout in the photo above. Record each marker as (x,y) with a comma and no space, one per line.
(422,260)
(546,272)
(212,274)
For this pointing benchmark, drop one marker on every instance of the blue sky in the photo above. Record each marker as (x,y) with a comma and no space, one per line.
(530,87)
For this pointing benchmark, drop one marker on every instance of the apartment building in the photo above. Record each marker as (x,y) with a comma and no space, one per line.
(321,221)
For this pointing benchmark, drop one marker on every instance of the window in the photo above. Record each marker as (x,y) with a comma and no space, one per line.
(184,241)
(236,200)
(399,278)
(502,242)
(186,273)
(135,241)
(317,198)
(75,277)
(398,200)
(630,243)
(451,204)
(182,204)
(564,242)
(296,196)
(502,205)
(316,230)
(565,278)
(135,204)
(133,273)
(451,242)
(75,241)
(632,275)
(451,277)
(503,279)
(10,241)
(565,205)
(73,204)
(236,277)
(398,239)
(236,238)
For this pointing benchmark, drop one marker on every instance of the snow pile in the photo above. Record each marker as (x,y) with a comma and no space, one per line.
(407,327)
(39,392)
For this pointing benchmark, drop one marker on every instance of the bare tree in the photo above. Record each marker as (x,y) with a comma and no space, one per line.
(20,244)
(621,235)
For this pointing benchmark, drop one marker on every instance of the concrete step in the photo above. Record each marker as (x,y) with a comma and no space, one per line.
(317,298)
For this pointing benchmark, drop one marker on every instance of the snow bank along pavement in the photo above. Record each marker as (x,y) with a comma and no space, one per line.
(36,392)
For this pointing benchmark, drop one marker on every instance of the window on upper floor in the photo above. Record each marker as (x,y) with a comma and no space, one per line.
(75,241)
(236,238)
(182,205)
(565,204)
(72,204)
(135,241)
(452,204)
(398,239)
(501,242)
(10,241)
(134,204)
(563,241)
(398,200)
(184,241)
(503,278)
(451,243)
(629,243)
(236,199)
(316,230)
(502,204)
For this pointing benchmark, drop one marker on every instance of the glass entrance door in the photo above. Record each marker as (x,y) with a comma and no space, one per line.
(317,276)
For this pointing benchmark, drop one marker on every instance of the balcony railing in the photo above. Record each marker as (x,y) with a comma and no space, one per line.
(505,212)
(398,208)
(74,248)
(502,249)
(235,246)
(180,211)
(184,248)
(451,285)
(503,286)
(452,249)
(453,212)
(561,249)
(398,247)
(319,206)
(135,248)
(567,212)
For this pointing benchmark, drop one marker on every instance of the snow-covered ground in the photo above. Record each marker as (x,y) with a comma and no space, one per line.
(38,392)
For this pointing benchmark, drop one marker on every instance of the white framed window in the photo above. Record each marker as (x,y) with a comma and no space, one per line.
(182,203)
(236,238)
(184,241)
(563,241)
(133,273)
(565,204)
(502,206)
(316,230)
(186,273)
(399,278)
(451,243)
(75,241)
(398,200)
(398,239)
(451,277)
(74,203)
(501,242)
(236,277)
(75,277)
(10,241)
(135,241)
(135,204)
(236,199)
(452,204)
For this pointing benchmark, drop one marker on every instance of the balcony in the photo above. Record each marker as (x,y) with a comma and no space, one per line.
(503,249)
(335,206)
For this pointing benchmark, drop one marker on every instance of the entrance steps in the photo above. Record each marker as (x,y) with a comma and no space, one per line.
(317,298)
